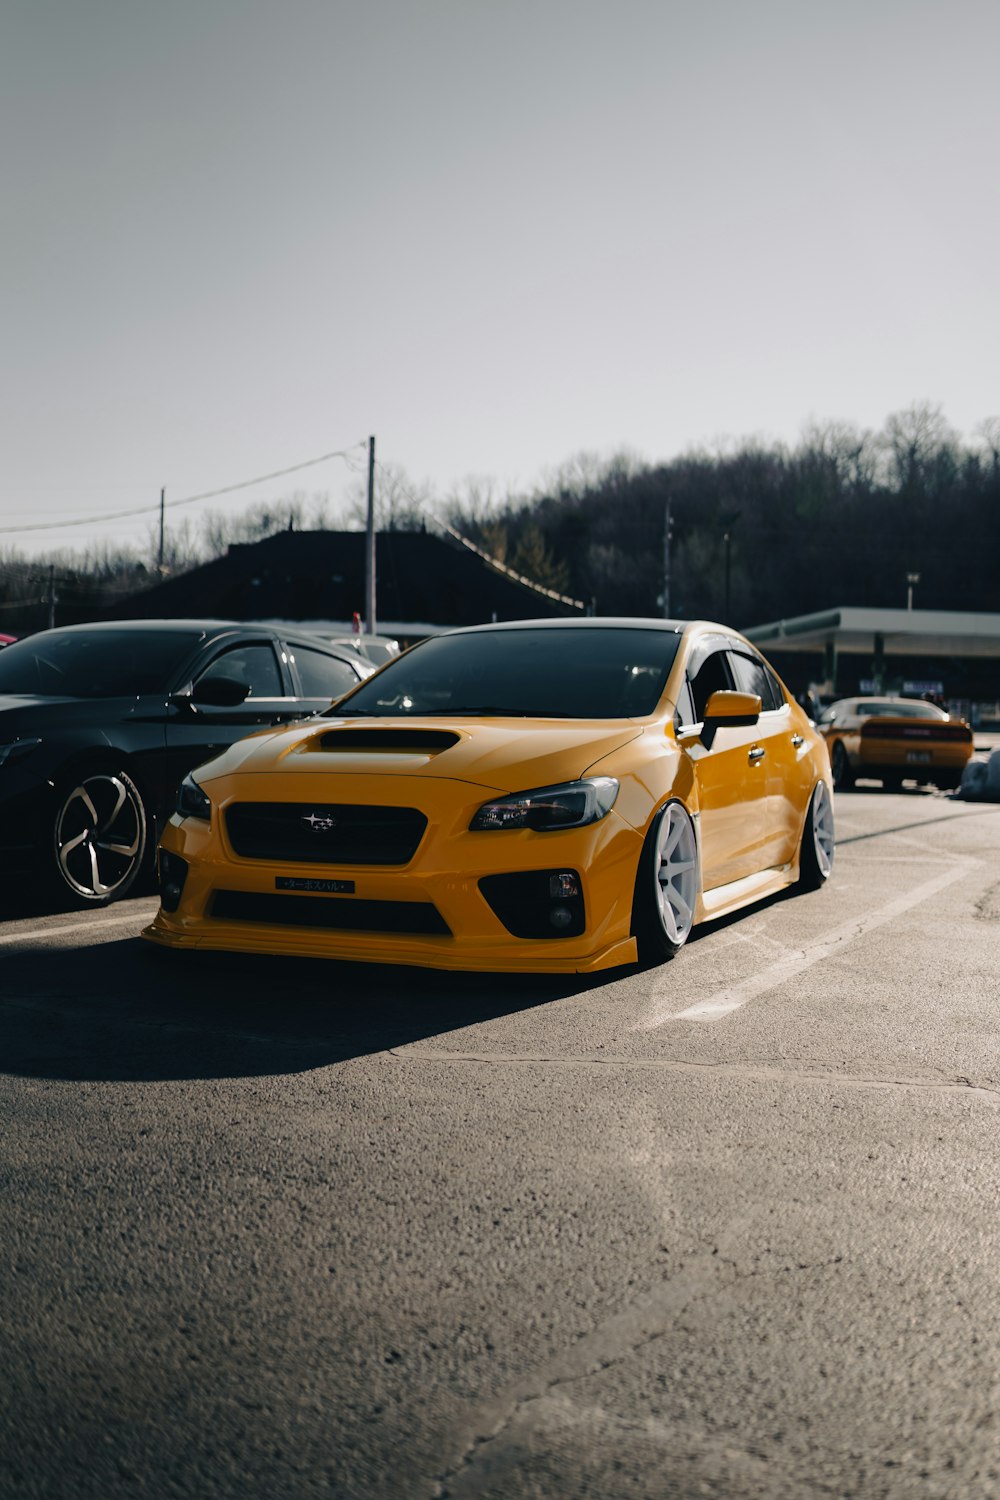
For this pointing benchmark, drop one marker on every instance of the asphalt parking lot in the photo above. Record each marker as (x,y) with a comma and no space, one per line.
(726,1227)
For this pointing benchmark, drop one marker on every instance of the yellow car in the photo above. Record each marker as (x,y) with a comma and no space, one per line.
(892,739)
(544,796)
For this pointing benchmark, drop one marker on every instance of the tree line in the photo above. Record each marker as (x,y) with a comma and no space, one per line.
(749,532)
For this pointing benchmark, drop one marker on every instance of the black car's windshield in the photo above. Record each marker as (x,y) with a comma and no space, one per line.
(95,663)
(582,672)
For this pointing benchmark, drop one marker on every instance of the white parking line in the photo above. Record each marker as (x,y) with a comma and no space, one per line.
(88,925)
(727,1000)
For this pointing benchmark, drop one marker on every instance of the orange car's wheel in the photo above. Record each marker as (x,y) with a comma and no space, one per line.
(666,886)
(843,776)
(816,853)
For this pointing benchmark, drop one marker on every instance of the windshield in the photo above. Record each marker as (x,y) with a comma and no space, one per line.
(571,673)
(95,664)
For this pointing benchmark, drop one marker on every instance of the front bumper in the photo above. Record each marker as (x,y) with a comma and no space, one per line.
(444,873)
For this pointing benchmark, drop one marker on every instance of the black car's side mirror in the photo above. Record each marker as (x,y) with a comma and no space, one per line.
(728,710)
(219,692)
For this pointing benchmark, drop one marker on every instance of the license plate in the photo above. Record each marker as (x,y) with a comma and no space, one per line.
(918,757)
(303,883)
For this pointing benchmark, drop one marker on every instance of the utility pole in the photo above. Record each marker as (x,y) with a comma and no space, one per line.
(159,560)
(370,628)
(51,601)
(668,530)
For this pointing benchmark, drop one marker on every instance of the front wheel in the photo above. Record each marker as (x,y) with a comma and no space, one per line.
(99,838)
(666,886)
(816,853)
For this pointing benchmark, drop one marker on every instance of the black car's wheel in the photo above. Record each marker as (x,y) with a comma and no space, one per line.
(843,776)
(99,837)
(666,886)
(816,853)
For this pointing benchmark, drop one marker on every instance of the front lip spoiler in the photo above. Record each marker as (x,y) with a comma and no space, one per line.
(382,948)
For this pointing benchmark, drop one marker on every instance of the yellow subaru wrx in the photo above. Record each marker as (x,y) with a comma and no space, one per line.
(539,796)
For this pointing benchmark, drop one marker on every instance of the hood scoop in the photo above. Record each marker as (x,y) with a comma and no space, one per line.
(389,741)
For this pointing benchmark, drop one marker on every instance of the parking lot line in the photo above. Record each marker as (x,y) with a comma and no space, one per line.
(87,924)
(723,1002)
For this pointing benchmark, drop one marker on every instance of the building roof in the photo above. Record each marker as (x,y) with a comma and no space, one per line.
(904,632)
(320,575)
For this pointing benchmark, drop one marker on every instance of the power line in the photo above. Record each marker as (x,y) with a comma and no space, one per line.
(228,489)
(480,552)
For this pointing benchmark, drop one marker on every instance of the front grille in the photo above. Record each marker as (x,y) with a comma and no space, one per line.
(324,833)
(339,914)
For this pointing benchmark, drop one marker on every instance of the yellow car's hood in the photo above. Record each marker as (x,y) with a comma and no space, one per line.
(507,755)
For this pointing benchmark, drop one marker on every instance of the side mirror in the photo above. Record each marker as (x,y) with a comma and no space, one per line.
(728,710)
(220,692)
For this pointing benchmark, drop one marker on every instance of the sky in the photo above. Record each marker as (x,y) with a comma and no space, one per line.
(239,235)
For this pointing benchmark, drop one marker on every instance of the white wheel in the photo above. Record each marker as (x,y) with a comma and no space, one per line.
(818,838)
(666,885)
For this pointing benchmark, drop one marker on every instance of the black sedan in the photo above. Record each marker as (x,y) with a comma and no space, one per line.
(100,723)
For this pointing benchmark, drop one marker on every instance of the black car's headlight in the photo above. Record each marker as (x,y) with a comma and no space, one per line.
(192,801)
(15,749)
(548,808)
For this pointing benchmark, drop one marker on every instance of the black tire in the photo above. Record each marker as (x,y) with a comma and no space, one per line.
(666,886)
(892,781)
(843,776)
(816,850)
(100,838)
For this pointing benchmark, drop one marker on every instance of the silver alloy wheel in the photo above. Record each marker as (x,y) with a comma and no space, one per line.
(675,870)
(100,835)
(823,835)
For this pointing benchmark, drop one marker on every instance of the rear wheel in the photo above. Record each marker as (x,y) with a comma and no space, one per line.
(843,776)
(816,853)
(99,838)
(666,886)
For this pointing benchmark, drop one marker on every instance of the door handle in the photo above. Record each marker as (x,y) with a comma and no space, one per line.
(797,740)
(757,753)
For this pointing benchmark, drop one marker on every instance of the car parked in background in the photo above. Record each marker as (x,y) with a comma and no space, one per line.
(555,796)
(100,723)
(893,739)
(376,649)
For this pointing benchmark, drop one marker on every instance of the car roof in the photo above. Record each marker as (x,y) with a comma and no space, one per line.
(595,622)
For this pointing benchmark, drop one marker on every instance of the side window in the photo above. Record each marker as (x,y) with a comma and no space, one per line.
(255,664)
(752,676)
(711,676)
(323,676)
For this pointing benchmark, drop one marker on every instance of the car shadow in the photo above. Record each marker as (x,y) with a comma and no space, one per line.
(125,1011)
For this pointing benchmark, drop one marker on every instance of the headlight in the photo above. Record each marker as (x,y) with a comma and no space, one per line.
(548,808)
(192,801)
(15,749)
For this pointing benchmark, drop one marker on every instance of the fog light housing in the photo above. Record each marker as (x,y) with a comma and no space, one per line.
(171,872)
(537,903)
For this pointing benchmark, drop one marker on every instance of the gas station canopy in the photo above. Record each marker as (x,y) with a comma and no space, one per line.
(894,632)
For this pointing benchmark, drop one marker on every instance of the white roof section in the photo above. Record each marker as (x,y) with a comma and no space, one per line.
(904,632)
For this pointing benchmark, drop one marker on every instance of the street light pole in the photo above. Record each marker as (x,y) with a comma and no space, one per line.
(370,627)
(911,579)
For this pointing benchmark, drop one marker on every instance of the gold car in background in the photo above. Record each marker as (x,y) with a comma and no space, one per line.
(539,796)
(891,739)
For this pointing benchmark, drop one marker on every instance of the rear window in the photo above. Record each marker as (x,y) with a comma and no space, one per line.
(95,664)
(570,673)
